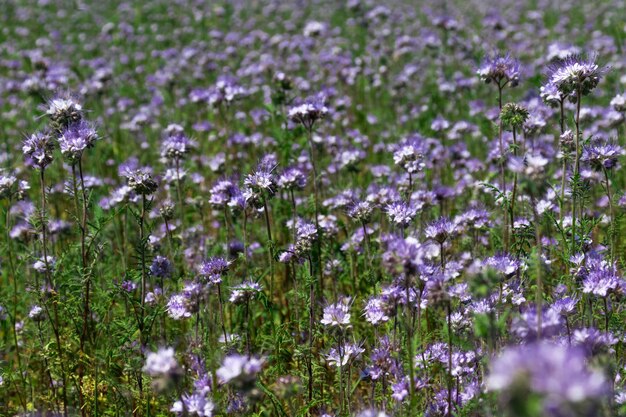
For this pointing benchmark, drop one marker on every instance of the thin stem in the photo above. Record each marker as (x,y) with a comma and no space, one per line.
(409,345)
(514,192)
(576,168)
(449,315)
(219,297)
(271,247)
(86,276)
(13,278)
(502,175)
(612,224)
(54,322)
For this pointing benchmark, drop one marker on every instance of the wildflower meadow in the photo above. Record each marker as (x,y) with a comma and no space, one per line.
(321,208)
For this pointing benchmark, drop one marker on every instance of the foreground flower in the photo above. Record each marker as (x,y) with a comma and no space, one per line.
(75,139)
(576,73)
(558,375)
(163,367)
(602,155)
(161,362)
(241,368)
(337,314)
(39,147)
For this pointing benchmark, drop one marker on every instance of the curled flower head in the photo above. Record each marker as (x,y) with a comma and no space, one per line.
(576,73)
(308,112)
(176,145)
(513,115)
(500,69)
(214,268)
(64,111)
(75,139)
(39,147)
(161,267)
(602,155)
(141,181)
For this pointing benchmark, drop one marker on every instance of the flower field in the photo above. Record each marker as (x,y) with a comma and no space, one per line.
(312,208)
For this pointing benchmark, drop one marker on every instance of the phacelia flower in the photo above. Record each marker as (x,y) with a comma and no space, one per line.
(500,69)
(602,155)
(75,139)
(576,73)
(337,314)
(141,181)
(244,292)
(559,375)
(39,147)
(213,269)
(239,368)
(161,267)
(308,112)
(64,111)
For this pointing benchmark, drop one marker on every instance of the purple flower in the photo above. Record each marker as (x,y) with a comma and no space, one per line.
(176,145)
(440,230)
(239,368)
(162,362)
(64,111)
(75,139)
(361,211)
(401,214)
(291,179)
(141,181)
(161,267)
(602,155)
(38,147)
(308,112)
(576,73)
(337,314)
(177,307)
(214,268)
(409,154)
(244,292)
(36,313)
(196,404)
(343,354)
(559,375)
(526,325)
(500,69)
(602,280)
(375,311)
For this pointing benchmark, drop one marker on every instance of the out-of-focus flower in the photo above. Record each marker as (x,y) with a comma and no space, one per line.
(500,69)
(559,375)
